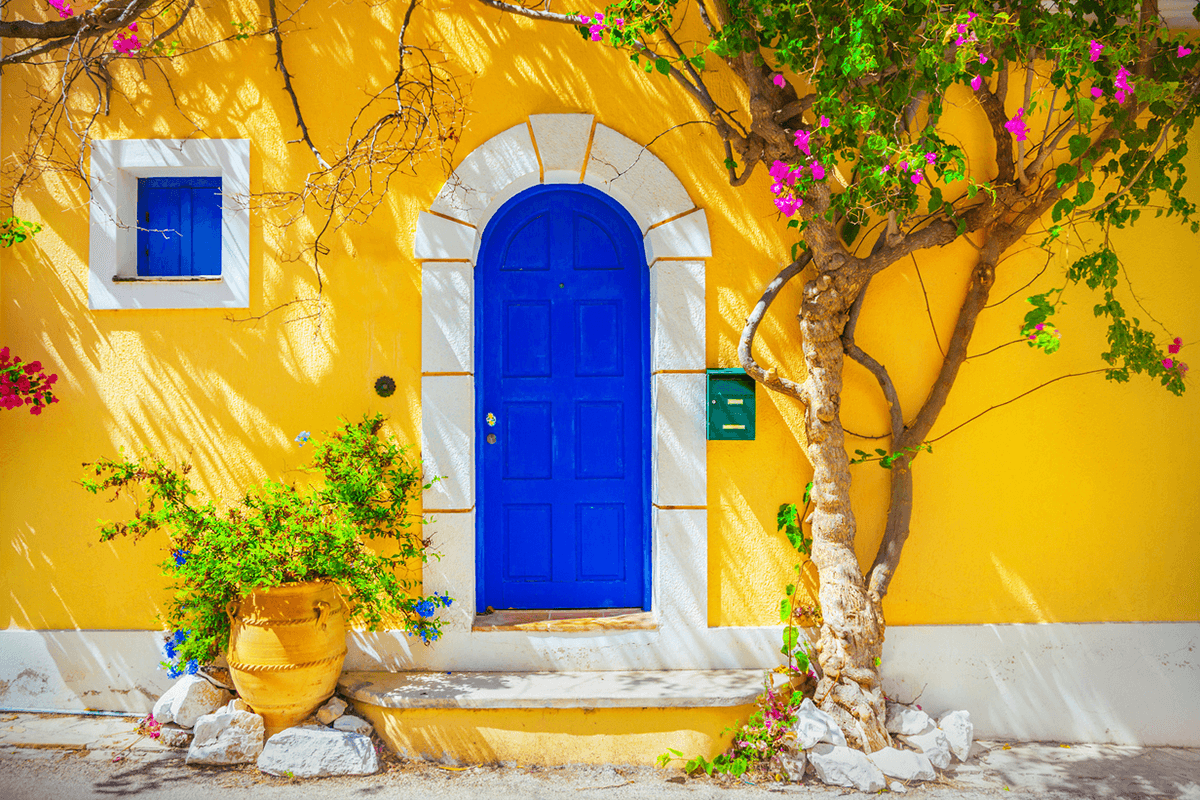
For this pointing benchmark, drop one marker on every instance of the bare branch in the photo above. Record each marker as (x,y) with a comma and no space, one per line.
(769,377)
(287,84)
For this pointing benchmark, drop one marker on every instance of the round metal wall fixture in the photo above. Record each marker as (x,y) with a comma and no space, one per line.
(385,386)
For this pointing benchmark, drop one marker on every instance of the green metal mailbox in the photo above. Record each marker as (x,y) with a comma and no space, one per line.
(730,404)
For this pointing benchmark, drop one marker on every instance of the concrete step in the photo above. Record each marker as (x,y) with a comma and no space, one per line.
(549,718)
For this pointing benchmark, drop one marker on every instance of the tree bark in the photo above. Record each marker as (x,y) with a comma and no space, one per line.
(851,639)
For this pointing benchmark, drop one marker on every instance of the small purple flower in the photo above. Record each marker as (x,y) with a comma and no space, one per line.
(1183,51)
(824,121)
(915,178)
(976,82)
(1097,92)
(818,171)
(1017,126)
(180,557)
(192,666)
(425,608)
(1094,50)
(982,58)
(802,138)
(1168,363)
(779,81)
(930,158)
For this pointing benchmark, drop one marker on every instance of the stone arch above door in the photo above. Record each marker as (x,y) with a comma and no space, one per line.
(568,148)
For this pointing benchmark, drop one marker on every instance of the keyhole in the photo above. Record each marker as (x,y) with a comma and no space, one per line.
(491,438)
(560,286)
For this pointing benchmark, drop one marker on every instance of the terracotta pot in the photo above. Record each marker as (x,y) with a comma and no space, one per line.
(286,648)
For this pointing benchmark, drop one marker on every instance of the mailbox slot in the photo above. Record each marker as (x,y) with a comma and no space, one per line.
(730,404)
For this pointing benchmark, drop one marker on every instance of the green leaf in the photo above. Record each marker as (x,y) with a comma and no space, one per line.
(1084,192)
(1078,145)
(850,231)
(935,199)
(1065,173)
(1085,108)
(663,66)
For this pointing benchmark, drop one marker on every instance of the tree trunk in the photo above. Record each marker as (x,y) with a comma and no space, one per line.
(851,638)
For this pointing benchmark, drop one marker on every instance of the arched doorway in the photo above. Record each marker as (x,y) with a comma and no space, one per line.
(562,404)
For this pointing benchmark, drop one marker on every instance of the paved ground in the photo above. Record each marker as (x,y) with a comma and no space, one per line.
(44,757)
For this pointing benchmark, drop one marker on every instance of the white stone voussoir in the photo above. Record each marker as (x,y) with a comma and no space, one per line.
(686,237)
(491,169)
(562,142)
(630,173)
(447,324)
(443,239)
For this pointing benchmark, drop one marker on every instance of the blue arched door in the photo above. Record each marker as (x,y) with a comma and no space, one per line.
(562,404)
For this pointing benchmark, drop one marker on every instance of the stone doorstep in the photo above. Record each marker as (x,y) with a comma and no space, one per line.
(534,690)
(611,619)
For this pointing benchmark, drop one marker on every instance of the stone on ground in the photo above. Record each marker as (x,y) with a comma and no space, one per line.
(353,724)
(794,762)
(897,787)
(188,700)
(314,752)
(171,735)
(227,737)
(933,743)
(813,725)
(906,720)
(903,764)
(238,704)
(959,733)
(838,765)
(331,710)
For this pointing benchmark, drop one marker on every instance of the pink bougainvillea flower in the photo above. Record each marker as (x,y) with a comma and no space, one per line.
(962,28)
(1097,92)
(595,31)
(976,82)
(982,58)
(960,41)
(802,138)
(779,80)
(1017,126)
(584,18)
(824,121)
(1168,363)
(64,10)
(1122,85)
(133,26)
(915,178)
(885,168)
(125,43)
(1174,347)
(788,205)
(619,22)
(818,171)
(1094,50)
(1177,340)
(1039,326)
(1183,51)
(971,15)
(904,166)
(1182,369)
(599,17)
(930,158)
(778,170)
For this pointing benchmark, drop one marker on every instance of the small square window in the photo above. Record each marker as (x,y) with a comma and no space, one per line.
(179,227)
(170,224)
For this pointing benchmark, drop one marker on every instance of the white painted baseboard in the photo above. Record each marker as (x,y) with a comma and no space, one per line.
(1120,683)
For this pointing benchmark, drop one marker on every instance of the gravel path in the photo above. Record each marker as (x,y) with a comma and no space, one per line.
(1044,771)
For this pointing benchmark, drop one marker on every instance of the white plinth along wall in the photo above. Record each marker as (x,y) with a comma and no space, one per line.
(1129,683)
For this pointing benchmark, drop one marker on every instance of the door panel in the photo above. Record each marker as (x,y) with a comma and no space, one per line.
(562,343)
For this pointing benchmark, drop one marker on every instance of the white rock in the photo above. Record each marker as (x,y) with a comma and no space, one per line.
(171,735)
(227,737)
(897,787)
(312,752)
(903,764)
(238,704)
(841,766)
(814,725)
(353,724)
(188,700)
(932,743)
(794,762)
(331,710)
(906,720)
(959,732)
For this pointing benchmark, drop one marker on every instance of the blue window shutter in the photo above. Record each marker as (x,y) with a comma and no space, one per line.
(179,226)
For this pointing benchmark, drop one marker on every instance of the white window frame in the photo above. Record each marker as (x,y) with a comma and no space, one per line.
(117,164)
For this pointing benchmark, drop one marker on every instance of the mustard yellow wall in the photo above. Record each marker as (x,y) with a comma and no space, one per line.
(1077,503)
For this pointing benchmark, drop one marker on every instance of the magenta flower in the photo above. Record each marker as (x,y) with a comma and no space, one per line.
(982,58)
(824,121)
(1175,346)
(1097,92)
(1017,126)
(1122,85)
(64,10)
(971,15)
(1168,363)
(903,166)
(915,178)
(885,168)
(1039,326)
(976,82)
(802,138)
(788,205)
(962,28)
(779,81)
(596,30)
(930,158)
(582,17)
(818,171)
(960,41)
(1183,51)
(778,170)
(619,22)
(1095,50)
(599,17)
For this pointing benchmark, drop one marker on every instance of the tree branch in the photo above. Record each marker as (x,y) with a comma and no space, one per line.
(287,84)
(770,378)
